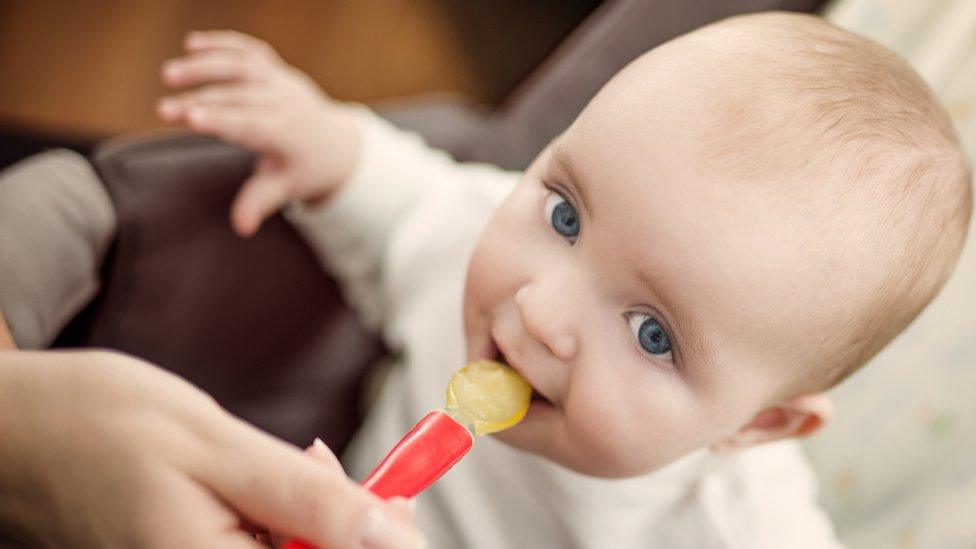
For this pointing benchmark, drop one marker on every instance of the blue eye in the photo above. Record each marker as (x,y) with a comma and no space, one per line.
(562,216)
(650,334)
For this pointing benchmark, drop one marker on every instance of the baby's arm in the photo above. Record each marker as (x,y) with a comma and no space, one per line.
(397,193)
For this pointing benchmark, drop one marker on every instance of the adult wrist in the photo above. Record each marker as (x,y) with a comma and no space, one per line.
(7,342)
(20,493)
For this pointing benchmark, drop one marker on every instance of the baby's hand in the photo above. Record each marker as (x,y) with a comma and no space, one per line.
(249,96)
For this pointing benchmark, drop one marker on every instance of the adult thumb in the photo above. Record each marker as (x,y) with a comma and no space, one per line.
(287,491)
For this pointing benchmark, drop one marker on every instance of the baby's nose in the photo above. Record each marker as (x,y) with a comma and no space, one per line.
(544,322)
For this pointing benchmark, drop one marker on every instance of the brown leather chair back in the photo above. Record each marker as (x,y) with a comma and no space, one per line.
(255,322)
(618,31)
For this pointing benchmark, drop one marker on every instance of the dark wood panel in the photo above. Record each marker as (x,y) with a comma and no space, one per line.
(90,69)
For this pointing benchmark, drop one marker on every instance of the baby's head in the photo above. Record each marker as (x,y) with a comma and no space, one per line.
(740,219)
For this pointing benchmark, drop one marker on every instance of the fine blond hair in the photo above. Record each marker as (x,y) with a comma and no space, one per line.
(875,130)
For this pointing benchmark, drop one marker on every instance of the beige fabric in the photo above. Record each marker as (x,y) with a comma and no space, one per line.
(56,223)
(898,464)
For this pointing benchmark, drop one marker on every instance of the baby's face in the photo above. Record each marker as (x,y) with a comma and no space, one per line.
(653,302)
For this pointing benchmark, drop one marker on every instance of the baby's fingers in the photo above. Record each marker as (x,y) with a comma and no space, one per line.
(174,108)
(228,39)
(263,194)
(213,66)
(253,128)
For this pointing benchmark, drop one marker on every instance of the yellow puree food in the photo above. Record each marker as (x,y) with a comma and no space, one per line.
(488,396)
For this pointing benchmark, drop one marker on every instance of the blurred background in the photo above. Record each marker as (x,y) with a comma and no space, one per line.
(72,73)
(897,467)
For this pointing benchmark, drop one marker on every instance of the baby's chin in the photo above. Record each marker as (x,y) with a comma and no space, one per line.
(537,435)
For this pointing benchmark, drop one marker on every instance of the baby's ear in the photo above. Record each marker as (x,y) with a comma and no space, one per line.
(798,417)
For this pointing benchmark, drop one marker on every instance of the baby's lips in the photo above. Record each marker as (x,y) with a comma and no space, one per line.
(500,356)
(489,351)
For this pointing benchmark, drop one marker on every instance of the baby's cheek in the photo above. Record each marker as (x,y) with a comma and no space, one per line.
(604,432)
(503,261)
(486,283)
(633,434)
(487,261)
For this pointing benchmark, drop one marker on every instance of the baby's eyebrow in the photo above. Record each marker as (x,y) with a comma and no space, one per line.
(688,333)
(564,164)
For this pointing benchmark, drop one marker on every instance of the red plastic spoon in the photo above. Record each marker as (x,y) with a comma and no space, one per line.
(484,397)
(428,451)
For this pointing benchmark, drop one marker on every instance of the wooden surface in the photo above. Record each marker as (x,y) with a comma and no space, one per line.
(90,69)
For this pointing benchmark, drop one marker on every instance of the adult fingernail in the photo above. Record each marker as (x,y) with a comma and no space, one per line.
(381,531)
(408,504)
(318,448)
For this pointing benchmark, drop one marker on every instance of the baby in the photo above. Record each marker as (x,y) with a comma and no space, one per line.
(739,220)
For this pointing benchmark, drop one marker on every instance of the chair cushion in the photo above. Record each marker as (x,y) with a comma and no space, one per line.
(56,223)
(254,322)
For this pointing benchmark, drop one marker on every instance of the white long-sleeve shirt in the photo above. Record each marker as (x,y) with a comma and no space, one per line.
(398,236)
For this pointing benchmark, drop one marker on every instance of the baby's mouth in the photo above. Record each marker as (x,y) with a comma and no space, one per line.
(537,397)
(499,356)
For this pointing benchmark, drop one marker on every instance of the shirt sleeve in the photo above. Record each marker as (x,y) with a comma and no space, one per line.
(395,173)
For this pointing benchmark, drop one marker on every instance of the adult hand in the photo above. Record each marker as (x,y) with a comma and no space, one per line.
(103,450)
(6,338)
(405,507)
